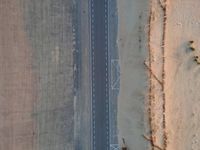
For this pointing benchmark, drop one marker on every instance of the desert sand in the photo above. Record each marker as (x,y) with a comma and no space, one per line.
(132,47)
(165,89)
(182,75)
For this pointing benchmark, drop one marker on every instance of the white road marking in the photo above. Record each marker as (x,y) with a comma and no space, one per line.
(92,36)
(93,86)
(106,32)
(107,133)
(93,73)
(93,113)
(94,90)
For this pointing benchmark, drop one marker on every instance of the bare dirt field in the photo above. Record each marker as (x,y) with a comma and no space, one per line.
(182,75)
(169,86)
(17,91)
(132,47)
(36,75)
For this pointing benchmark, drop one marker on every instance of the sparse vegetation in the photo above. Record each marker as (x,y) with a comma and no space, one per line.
(195,58)
(163,7)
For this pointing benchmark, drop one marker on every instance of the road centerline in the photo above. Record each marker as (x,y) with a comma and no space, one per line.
(100,91)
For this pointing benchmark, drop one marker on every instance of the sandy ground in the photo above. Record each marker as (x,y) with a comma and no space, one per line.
(172,85)
(36,75)
(154,62)
(174,96)
(132,39)
(48,26)
(182,73)
(83,99)
(17,91)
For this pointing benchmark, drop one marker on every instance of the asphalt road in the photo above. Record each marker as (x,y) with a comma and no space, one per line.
(100,95)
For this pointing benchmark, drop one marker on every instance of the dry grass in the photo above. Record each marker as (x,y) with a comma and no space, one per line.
(150,79)
(154,145)
(163,7)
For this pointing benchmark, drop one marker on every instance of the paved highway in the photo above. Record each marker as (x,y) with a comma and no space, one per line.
(100,95)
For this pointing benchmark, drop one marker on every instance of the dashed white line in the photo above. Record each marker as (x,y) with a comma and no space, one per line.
(93,69)
(106,32)
(107,132)
(94,90)
(92,39)
(106,38)
(105,16)
(93,85)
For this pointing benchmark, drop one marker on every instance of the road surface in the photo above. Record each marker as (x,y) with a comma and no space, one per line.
(100,95)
